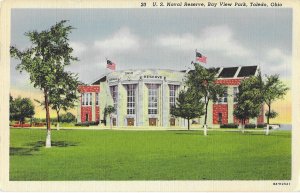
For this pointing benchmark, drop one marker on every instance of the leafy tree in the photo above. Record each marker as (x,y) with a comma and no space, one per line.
(249,99)
(21,108)
(12,109)
(187,106)
(109,110)
(63,96)
(203,82)
(44,60)
(273,89)
(67,118)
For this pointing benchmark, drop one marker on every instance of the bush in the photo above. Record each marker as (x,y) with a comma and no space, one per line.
(86,124)
(261,125)
(250,126)
(229,125)
(67,118)
(21,125)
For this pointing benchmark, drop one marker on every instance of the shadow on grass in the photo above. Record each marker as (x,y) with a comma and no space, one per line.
(35,146)
(271,134)
(192,132)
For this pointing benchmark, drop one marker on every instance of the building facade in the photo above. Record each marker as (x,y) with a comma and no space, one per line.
(145,97)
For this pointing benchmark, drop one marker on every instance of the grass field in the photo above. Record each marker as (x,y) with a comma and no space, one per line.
(149,155)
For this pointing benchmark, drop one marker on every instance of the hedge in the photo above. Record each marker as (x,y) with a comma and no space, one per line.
(229,125)
(86,124)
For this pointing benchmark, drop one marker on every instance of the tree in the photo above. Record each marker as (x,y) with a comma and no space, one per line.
(109,110)
(203,82)
(249,99)
(12,108)
(67,118)
(63,96)
(21,108)
(187,106)
(273,89)
(44,60)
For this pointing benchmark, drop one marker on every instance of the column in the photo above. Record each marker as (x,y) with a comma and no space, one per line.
(93,107)
(165,104)
(119,118)
(230,104)
(79,110)
(139,106)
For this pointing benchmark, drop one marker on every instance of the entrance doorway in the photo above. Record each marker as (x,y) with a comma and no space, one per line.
(130,121)
(152,121)
(220,118)
(86,117)
(172,122)
(114,121)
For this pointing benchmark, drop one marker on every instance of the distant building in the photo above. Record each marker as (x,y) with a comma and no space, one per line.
(144,97)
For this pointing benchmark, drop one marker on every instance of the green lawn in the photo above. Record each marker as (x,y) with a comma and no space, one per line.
(149,155)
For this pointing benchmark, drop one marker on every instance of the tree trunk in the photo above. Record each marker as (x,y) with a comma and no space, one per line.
(57,125)
(188,124)
(48,138)
(205,119)
(110,120)
(243,125)
(268,120)
(205,130)
(206,105)
(268,129)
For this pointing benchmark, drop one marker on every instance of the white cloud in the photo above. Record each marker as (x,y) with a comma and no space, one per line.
(78,48)
(276,61)
(214,38)
(121,41)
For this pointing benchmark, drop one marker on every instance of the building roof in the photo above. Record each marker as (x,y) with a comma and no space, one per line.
(224,72)
(99,80)
(247,71)
(228,72)
(237,72)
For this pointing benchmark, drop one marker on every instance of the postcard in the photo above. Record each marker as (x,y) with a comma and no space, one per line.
(149,95)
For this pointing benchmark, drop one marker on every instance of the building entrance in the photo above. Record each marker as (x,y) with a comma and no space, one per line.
(172,122)
(86,117)
(152,121)
(130,121)
(114,121)
(220,118)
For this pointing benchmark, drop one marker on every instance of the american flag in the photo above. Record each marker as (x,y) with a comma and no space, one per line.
(110,65)
(200,57)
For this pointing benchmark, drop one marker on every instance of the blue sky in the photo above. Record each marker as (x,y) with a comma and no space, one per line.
(164,38)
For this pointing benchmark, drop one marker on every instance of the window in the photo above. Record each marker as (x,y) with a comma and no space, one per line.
(223,99)
(235,93)
(82,98)
(172,95)
(114,94)
(97,99)
(86,99)
(152,99)
(131,99)
(89,96)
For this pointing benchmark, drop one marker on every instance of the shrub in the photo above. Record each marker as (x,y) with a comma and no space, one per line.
(21,125)
(261,125)
(67,118)
(250,126)
(86,124)
(229,125)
